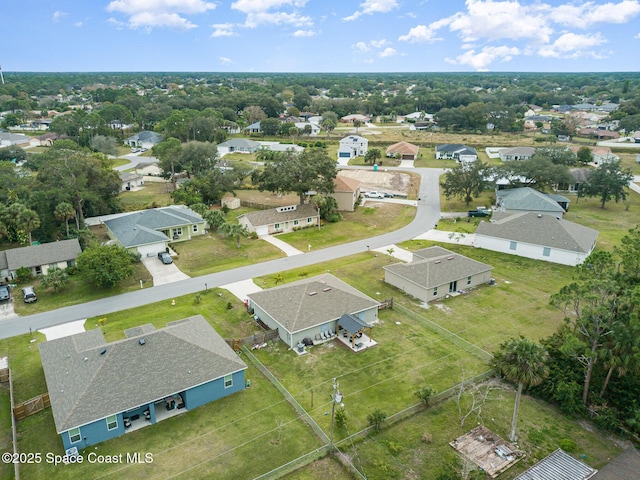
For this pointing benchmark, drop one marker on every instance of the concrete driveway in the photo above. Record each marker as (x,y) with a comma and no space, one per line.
(6,309)
(162,273)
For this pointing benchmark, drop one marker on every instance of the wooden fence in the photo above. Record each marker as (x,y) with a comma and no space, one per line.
(4,375)
(258,206)
(388,303)
(256,339)
(31,406)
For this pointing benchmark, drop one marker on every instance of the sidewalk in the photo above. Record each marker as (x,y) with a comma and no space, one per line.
(448,237)
(284,246)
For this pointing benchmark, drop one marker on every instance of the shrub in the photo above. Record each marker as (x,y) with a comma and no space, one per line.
(23,274)
(341,418)
(424,394)
(567,445)
(376,418)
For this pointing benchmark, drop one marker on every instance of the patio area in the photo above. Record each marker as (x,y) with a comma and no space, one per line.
(361,341)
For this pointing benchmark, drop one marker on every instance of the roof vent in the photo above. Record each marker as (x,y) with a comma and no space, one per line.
(449,258)
(103,351)
(326,289)
(85,359)
(312,293)
(437,261)
(539,215)
(141,341)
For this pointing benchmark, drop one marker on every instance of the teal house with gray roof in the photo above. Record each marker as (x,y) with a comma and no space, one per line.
(435,273)
(151,231)
(101,390)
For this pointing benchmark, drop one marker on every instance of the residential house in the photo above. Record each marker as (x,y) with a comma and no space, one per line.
(457,152)
(635,137)
(560,466)
(353,117)
(231,202)
(346,191)
(598,133)
(253,128)
(9,139)
(403,151)
(238,145)
(435,273)
(101,390)
(353,146)
(516,153)
(600,154)
(315,128)
(422,126)
(280,219)
(281,147)
(151,231)
(39,259)
(526,199)
(144,139)
(580,176)
(131,181)
(46,140)
(537,236)
(312,306)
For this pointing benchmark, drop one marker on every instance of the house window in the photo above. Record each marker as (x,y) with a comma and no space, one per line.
(295,222)
(277,226)
(74,435)
(309,220)
(178,231)
(71,263)
(546,252)
(468,280)
(195,228)
(512,245)
(228,381)
(38,270)
(435,291)
(112,422)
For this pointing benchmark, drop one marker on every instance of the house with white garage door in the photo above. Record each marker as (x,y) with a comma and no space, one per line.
(353,146)
(151,231)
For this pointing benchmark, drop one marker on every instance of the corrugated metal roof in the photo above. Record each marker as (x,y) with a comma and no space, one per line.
(558,466)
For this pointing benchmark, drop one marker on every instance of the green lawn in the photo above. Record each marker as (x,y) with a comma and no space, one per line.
(365,222)
(152,195)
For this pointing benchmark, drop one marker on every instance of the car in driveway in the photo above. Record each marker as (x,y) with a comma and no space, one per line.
(374,195)
(5,293)
(29,295)
(165,258)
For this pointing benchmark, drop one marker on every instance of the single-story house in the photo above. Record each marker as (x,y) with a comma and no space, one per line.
(355,116)
(238,145)
(315,128)
(459,153)
(144,139)
(131,180)
(600,134)
(280,219)
(8,139)
(101,390)
(47,139)
(600,154)
(526,199)
(346,191)
(580,176)
(559,466)
(150,231)
(305,308)
(516,153)
(436,272)
(537,236)
(403,150)
(253,128)
(40,258)
(353,146)
(281,147)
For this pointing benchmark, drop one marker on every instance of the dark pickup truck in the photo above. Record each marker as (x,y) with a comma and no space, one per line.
(478,213)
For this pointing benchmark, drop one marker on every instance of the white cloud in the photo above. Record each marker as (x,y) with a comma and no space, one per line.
(637,37)
(57,15)
(589,13)
(225,60)
(304,33)
(223,30)
(78,24)
(277,18)
(420,33)
(379,43)
(485,57)
(369,7)
(258,12)
(571,45)
(388,52)
(160,13)
(361,46)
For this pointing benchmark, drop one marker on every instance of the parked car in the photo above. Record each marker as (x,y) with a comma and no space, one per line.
(29,295)
(478,213)
(5,293)
(374,195)
(165,258)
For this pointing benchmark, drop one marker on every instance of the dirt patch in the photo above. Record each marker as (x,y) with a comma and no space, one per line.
(396,183)
(442,307)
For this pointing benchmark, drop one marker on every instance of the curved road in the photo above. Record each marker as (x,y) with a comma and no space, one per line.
(427,215)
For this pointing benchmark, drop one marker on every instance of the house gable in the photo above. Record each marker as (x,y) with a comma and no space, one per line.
(44,254)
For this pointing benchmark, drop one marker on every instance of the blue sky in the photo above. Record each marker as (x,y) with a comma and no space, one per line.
(319,35)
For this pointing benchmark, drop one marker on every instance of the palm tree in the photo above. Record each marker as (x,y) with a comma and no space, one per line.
(523,362)
(233,230)
(28,221)
(65,211)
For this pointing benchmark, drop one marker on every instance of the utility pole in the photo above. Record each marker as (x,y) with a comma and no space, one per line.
(1,76)
(336,397)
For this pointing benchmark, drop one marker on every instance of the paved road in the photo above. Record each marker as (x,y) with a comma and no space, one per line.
(427,215)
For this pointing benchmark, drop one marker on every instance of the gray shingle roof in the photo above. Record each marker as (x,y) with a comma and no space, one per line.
(241,143)
(146,136)
(520,151)
(86,385)
(624,467)
(314,301)
(44,254)
(435,266)
(527,199)
(143,227)
(456,148)
(272,215)
(558,466)
(544,230)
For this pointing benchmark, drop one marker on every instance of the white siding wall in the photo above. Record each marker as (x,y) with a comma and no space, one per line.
(529,250)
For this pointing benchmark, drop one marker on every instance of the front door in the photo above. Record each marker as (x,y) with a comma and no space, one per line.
(453,286)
